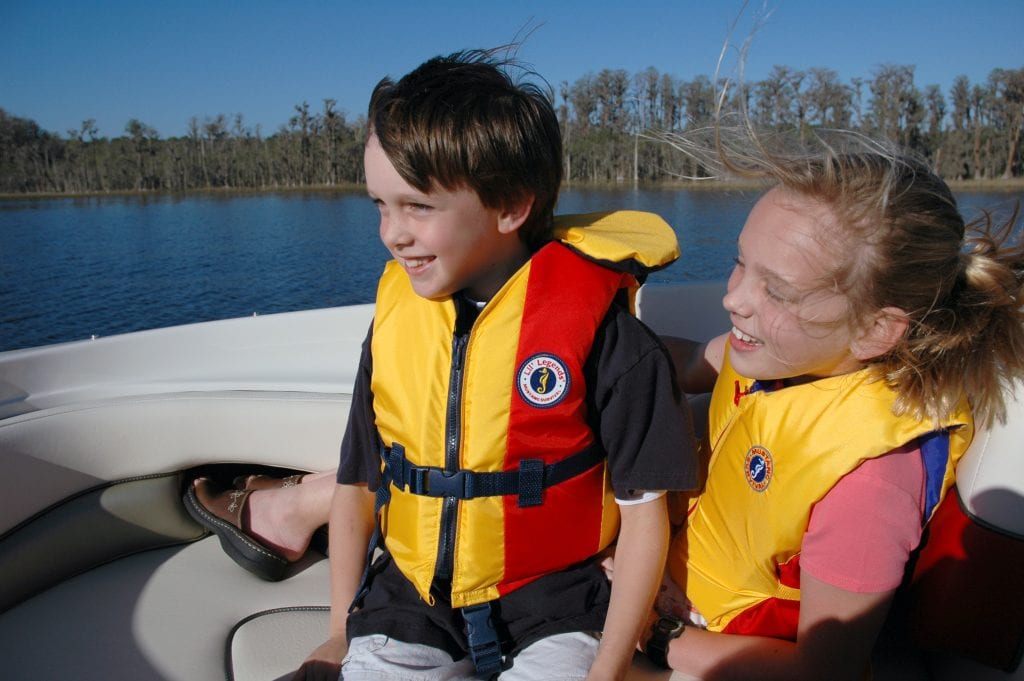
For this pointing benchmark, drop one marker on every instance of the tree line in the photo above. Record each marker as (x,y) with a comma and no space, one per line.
(971,132)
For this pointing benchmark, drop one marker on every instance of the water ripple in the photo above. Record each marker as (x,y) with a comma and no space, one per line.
(71,268)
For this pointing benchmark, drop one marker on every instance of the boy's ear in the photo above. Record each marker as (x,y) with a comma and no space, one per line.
(512,217)
(881,335)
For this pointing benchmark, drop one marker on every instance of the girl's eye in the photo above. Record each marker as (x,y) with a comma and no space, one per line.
(773,295)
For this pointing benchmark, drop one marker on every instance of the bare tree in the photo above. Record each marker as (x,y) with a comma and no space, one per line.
(1007,86)
(829,102)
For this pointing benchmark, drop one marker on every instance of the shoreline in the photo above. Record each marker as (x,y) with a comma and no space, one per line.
(1015,184)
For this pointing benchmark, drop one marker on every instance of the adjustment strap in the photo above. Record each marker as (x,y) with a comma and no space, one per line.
(528,482)
(482,637)
(381,499)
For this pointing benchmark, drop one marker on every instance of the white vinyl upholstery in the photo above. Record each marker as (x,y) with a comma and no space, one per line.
(692,310)
(990,477)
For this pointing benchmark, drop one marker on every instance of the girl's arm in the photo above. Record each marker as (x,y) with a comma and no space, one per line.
(697,364)
(836,634)
(640,560)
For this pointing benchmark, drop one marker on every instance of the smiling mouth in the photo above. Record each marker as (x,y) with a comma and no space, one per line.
(739,335)
(416,263)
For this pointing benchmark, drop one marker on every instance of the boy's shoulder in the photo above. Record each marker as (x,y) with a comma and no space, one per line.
(623,343)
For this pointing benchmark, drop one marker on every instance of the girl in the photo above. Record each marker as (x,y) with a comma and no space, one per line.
(868,334)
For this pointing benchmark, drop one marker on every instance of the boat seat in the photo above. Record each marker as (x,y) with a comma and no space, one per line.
(971,565)
(692,310)
(271,644)
(164,614)
(185,613)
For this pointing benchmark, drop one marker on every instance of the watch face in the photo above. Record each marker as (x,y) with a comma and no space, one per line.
(668,626)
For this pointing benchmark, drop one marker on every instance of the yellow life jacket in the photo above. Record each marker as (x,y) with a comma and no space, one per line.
(775,453)
(494,475)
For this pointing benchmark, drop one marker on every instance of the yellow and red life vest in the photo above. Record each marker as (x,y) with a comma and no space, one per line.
(509,400)
(775,453)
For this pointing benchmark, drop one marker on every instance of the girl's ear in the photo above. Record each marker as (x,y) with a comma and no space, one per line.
(512,218)
(882,334)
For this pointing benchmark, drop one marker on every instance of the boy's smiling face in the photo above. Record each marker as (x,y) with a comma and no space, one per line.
(446,240)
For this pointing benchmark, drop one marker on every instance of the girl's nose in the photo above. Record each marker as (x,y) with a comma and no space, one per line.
(737,297)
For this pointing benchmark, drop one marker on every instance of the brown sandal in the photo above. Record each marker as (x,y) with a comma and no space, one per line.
(224,514)
(319,541)
(258,481)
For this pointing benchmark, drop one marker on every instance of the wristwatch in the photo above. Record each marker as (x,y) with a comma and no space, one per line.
(663,631)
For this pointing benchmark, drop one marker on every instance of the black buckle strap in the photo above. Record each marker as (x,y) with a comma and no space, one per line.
(482,637)
(529,482)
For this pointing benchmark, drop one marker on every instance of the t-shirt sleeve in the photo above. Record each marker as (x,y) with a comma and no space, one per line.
(861,534)
(359,458)
(637,410)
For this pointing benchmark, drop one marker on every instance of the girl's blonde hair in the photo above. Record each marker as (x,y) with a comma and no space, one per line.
(902,243)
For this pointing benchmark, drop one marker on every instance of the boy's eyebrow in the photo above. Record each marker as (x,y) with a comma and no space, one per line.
(403,198)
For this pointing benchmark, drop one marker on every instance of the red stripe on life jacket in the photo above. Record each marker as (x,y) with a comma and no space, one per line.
(775,617)
(566,299)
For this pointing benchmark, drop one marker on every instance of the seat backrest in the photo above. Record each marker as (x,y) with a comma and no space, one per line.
(691,310)
(990,477)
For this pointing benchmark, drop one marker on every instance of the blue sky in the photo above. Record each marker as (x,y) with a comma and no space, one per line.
(63,61)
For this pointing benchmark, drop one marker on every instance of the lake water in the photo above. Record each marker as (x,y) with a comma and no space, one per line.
(74,268)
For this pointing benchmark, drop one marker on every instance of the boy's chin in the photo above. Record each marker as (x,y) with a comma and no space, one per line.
(432,293)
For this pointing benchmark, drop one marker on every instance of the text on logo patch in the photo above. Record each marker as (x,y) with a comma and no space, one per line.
(543,380)
(758,468)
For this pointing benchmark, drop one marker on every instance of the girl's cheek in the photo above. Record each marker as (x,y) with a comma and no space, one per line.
(776,337)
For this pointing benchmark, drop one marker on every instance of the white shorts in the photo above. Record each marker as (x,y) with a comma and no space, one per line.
(562,657)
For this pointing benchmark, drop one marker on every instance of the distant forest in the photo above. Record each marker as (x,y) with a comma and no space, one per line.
(971,132)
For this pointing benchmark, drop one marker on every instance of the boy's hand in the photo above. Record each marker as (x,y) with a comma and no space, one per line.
(324,663)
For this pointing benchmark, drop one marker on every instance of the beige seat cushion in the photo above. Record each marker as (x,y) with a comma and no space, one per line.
(271,645)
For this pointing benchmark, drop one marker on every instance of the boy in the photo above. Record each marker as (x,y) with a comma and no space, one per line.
(503,387)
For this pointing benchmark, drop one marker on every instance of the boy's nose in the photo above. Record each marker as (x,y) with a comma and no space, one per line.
(392,233)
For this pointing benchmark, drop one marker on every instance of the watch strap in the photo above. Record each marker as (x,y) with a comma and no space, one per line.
(664,630)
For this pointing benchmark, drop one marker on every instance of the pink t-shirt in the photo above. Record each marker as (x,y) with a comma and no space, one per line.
(861,533)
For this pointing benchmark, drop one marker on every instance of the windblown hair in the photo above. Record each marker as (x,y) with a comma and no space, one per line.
(901,242)
(461,121)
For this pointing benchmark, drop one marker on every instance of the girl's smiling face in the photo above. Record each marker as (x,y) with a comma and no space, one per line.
(789,320)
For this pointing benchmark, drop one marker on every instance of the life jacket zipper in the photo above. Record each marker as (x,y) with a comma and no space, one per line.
(444,566)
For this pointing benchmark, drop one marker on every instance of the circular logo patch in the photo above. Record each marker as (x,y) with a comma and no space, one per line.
(543,380)
(758,468)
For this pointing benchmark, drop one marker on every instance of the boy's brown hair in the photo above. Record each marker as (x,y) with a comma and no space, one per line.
(461,121)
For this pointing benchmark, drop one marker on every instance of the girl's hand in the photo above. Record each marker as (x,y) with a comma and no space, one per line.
(671,601)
